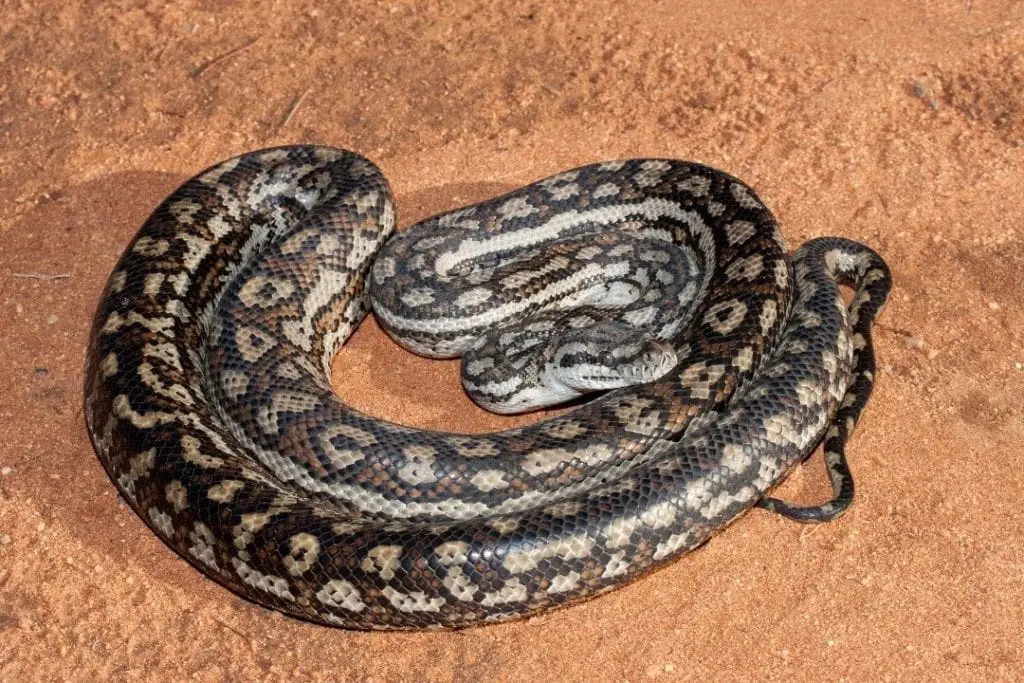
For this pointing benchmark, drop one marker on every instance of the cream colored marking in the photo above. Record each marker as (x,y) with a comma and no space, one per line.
(781,274)
(202,546)
(123,410)
(744,197)
(452,555)
(180,282)
(517,207)
(565,508)
(473,297)
(748,268)
(139,466)
(161,326)
(736,313)
(416,601)
(268,583)
(673,543)
(418,467)
(724,500)
(744,359)
(265,291)
(166,352)
(809,393)
(150,247)
(304,549)
(345,528)
(694,381)
(152,379)
(184,211)
(118,281)
(342,594)
(287,370)
(176,308)
(696,185)
(545,460)
(641,317)
(504,525)
(768,316)
(360,436)
(224,491)
(162,522)
(657,516)
(562,192)
(366,202)
(565,429)
(739,232)
(253,342)
(736,458)
(153,283)
(197,248)
(109,366)
(605,190)
(479,365)
(527,557)
(563,583)
(176,495)
(340,457)
(190,451)
(414,298)
(512,591)
(489,480)
(631,408)
(616,565)
(234,383)
(383,560)
(284,402)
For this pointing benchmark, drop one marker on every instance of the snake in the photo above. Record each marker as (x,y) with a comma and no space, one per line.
(702,361)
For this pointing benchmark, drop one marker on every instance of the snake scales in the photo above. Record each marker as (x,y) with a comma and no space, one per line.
(208,402)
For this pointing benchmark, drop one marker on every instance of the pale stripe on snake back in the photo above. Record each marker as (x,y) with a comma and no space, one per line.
(208,400)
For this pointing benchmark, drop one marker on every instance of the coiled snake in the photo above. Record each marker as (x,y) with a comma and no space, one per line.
(208,402)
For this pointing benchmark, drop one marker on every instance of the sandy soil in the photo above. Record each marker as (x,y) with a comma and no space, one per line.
(898,124)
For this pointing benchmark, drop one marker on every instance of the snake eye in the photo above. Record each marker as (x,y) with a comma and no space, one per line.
(607,358)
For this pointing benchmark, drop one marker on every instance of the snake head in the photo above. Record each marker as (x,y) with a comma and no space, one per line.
(606,355)
(533,371)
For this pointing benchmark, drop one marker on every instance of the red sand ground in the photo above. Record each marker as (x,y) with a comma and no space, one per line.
(899,124)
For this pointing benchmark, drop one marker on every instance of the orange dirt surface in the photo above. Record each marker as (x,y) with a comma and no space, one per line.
(900,124)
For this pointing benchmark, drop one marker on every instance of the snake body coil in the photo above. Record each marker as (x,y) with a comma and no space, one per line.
(208,399)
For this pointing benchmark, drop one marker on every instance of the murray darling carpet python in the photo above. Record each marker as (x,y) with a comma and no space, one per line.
(208,400)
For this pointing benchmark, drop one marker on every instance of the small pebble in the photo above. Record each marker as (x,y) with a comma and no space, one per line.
(5,539)
(915,343)
(7,470)
(994,306)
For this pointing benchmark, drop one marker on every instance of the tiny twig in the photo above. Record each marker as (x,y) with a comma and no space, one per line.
(220,58)
(296,103)
(246,639)
(41,276)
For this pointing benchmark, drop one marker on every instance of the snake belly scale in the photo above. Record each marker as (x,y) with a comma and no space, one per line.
(207,389)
